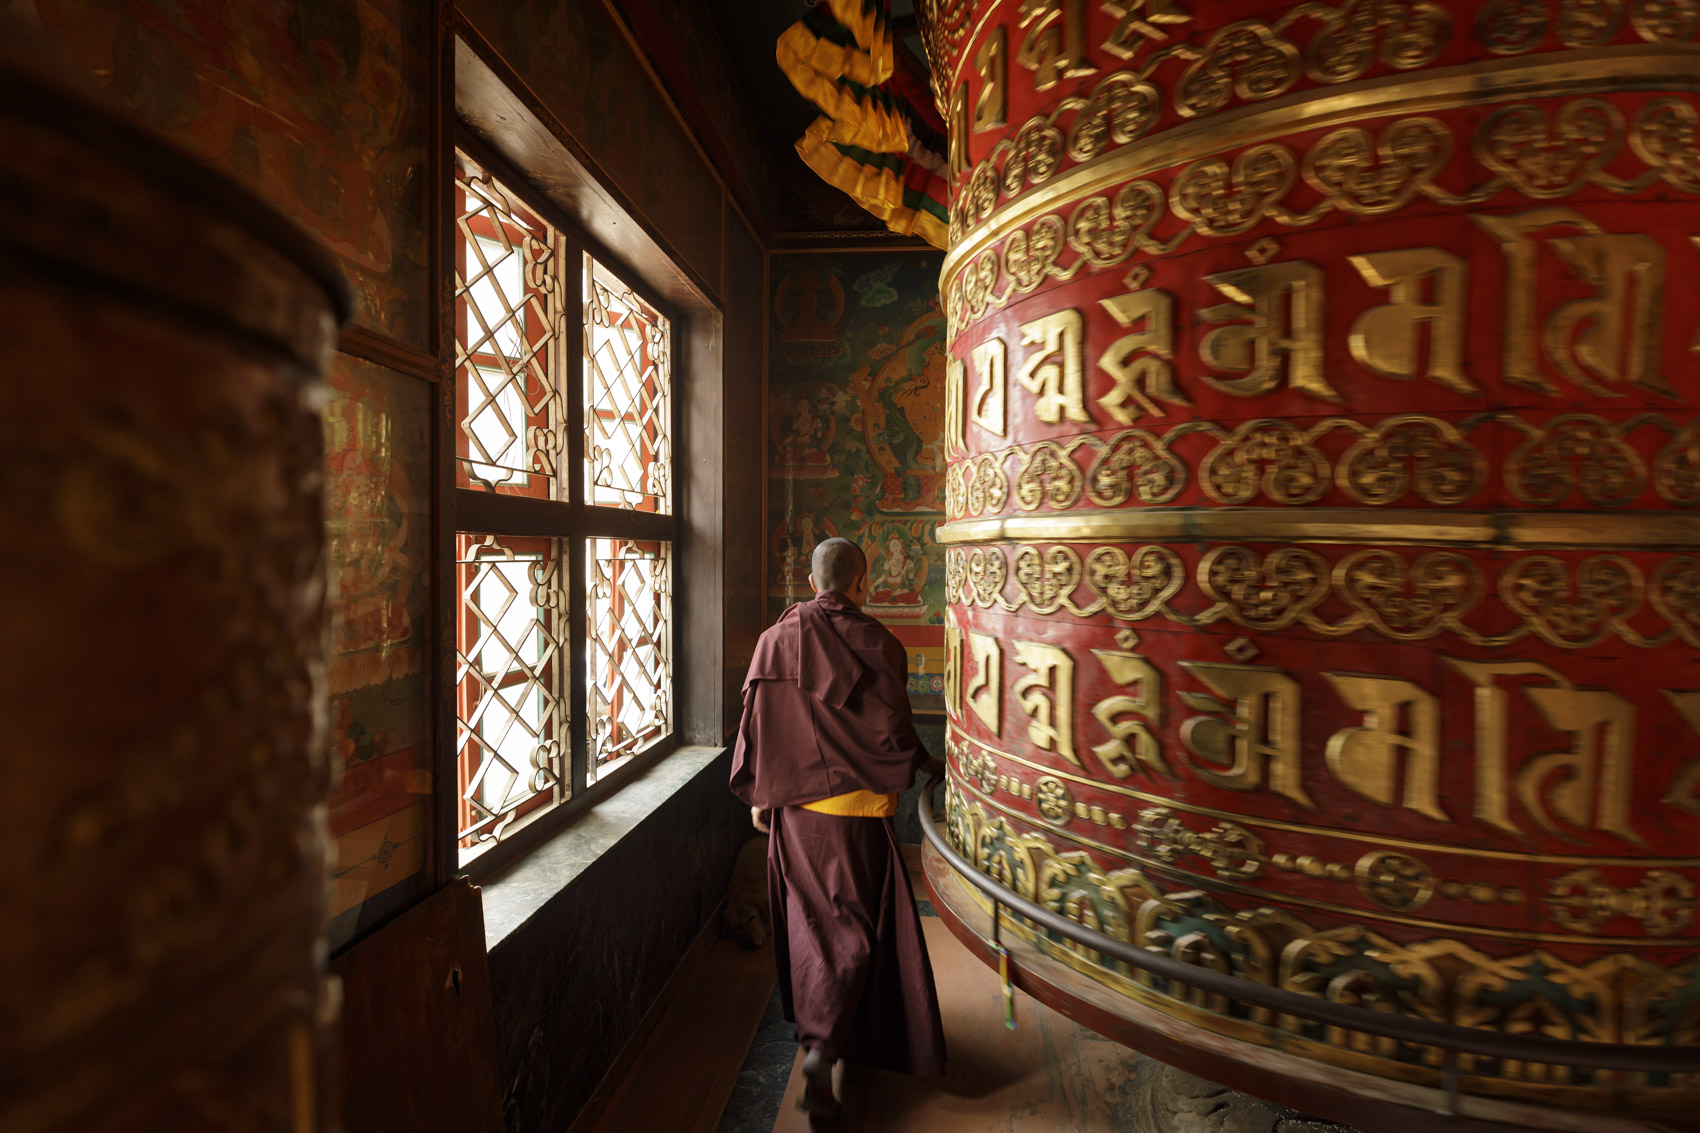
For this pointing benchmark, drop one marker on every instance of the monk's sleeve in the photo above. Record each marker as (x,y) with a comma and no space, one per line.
(744,755)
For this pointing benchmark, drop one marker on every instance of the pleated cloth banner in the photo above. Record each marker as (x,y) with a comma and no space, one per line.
(881,139)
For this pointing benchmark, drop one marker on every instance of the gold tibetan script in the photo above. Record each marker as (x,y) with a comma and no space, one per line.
(1142,358)
(1047,695)
(1587,785)
(1385,339)
(1130,739)
(1052,369)
(984,693)
(1284,303)
(1400,719)
(1614,336)
(1237,744)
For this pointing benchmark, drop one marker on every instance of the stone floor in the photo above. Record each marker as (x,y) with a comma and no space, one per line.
(1046,1076)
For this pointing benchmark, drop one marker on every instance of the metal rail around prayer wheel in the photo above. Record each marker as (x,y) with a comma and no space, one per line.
(1449,1038)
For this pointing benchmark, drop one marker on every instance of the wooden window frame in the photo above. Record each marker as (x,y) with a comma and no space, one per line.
(571,520)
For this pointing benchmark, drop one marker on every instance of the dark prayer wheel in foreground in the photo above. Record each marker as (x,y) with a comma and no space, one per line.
(162,599)
(1322,544)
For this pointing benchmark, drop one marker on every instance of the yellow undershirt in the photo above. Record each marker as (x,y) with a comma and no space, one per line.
(857,804)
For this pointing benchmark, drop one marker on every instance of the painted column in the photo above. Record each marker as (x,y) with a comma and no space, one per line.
(1324,597)
(162,590)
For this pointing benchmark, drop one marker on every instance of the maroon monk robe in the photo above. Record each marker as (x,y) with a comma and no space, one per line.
(826,713)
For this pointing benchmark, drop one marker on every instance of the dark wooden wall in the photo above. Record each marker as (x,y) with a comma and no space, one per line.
(342,115)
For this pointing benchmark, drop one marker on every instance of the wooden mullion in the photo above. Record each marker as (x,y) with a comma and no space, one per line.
(498,513)
(443,855)
(618,523)
(570,365)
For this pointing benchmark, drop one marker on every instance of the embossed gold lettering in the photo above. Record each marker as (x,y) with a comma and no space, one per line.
(1130,739)
(1629,273)
(984,693)
(959,123)
(1615,334)
(1047,696)
(1237,743)
(1284,302)
(1152,310)
(1683,790)
(1057,384)
(1600,762)
(955,378)
(1384,339)
(988,409)
(952,666)
(991,109)
(1597,769)
(1055,47)
(1400,719)
(1136,23)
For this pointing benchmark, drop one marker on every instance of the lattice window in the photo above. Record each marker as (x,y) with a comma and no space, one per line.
(509,330)
(628,376)
(631,669)
(564,603)
(511,721)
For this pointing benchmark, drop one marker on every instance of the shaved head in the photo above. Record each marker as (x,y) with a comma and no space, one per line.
(837,564)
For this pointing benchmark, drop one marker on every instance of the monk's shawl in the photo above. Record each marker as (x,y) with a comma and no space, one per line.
(825,709)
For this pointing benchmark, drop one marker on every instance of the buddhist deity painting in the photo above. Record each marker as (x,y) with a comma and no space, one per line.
(855,446)
(377,476)
(807,308)
(319,107)
(897,569)
(902,414)
(804,430)
(790,548)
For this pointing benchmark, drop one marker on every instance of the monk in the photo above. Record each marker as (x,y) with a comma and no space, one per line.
(825,744)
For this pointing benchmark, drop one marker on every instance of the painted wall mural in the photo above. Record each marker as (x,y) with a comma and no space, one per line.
(318,105)
(377,463)
(856,372)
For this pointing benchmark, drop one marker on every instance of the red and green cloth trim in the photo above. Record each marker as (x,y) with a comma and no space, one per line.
(881,139)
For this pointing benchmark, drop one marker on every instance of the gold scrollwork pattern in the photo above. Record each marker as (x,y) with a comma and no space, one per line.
(1576,452)
(1583,901)
(1543,151)
(1246,61)
(1407,601)
(1513,27)
(1397,594)
(1610,998)
(1268,457)
(1263,592)
(1571,458)
(1573,613)
(1047,476)
(1234,853)
(1411,452)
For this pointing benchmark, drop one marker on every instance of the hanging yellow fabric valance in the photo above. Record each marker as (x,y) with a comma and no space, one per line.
(875,142)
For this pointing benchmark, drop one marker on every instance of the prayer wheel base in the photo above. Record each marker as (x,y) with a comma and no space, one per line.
(1366,1102)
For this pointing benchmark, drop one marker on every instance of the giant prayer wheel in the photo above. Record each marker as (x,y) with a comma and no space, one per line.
(1322,536)
(163,336)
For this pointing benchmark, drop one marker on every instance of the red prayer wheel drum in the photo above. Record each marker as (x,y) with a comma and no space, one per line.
(162,595)
(1321,549)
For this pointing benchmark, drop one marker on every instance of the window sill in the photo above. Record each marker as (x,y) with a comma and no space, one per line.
(518,893)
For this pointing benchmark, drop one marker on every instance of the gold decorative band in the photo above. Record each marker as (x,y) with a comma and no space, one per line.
(957,739)
(1667,68)
(970,791)
(1440,527)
